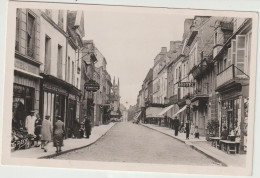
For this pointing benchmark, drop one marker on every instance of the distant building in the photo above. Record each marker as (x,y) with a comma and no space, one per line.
(115,100)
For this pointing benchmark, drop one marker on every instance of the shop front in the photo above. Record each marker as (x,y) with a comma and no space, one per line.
(233,104)
(59,98)
(26,89)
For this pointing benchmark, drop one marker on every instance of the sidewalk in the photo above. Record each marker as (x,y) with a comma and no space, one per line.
(203,146)
(69,144)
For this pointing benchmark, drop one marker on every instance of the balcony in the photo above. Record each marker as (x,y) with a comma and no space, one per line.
(231,77)
(201,96)
(198,71)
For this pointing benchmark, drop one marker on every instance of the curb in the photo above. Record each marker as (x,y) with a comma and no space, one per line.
(191,145)
(74,149)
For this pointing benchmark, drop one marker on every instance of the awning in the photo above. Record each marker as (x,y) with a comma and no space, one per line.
(182,109)
(165,110)
(153,112)
(137,115)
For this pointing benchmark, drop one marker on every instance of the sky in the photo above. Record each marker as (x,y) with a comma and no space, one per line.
(130,38)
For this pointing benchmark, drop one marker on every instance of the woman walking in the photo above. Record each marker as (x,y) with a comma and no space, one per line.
(58,134)
(46,132)
(37,130)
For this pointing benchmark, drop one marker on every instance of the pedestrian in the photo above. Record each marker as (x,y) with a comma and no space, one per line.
(187,128)
(197,134)
(30,123)
(224,133)
(192,129)
(59,130)
(87,126)
(176,124)
(37,131)
(46,132)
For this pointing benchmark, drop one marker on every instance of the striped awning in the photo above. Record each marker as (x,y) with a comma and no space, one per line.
(165,110)
(181,110)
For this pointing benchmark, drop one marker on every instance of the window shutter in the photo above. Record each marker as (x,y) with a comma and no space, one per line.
(240,53)
(233,51)
(229,60)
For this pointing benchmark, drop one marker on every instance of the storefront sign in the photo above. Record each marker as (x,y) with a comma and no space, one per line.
(186,84)
(26,67)
(91,85)
(54,88)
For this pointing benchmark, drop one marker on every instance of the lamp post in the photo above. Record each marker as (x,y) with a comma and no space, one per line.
(188,102)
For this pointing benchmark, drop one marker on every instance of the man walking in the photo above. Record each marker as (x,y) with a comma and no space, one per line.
(187,128)
(176,124)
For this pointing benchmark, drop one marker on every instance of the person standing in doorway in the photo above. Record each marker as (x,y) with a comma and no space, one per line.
(187,128)
(87,126)
(59,130)
(30,124)
(176,124)
(37,131)
(46,132)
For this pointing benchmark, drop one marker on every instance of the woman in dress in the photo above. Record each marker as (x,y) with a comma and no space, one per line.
(46,132)
(58,134)
(37,130)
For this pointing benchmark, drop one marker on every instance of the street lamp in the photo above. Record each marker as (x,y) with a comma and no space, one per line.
(188,102)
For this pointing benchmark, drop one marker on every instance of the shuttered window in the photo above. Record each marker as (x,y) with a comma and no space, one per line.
(229,60)
(233,51)
(240,52)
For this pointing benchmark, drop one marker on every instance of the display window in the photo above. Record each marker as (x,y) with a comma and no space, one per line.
(23,103)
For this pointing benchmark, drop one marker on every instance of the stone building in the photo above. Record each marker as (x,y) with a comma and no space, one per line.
(27,62)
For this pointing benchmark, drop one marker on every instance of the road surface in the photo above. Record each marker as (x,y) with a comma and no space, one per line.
(127,142)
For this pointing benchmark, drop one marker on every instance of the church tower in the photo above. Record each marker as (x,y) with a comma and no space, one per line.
(115,99)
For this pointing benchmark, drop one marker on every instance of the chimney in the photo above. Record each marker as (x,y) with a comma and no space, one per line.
(187,24)
(164,50)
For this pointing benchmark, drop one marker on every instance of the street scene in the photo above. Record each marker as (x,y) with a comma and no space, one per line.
(117,87)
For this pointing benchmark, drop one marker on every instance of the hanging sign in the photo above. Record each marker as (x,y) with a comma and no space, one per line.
(186,84)
(91,85)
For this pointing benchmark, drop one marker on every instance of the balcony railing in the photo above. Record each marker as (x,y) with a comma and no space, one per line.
(226,75)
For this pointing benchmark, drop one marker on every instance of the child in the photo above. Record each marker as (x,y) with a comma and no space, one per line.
(197,134)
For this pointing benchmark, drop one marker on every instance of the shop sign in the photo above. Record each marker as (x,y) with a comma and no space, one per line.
(186,84)
(54,88)
(26,67)
(91,85)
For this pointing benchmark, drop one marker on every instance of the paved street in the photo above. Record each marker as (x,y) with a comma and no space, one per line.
(127,142)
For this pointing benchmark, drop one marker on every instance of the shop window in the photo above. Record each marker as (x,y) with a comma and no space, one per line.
(23,103)
(31,34)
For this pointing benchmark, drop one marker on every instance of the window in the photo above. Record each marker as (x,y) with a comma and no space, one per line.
(73,73)
(248,40)
(59,62)
(77,82)
(31,29)
(17,33)
(240,53)
(193,56)
(47,62)
(68,69)
(215,38)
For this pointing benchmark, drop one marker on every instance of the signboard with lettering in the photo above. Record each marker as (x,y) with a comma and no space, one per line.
(91,85)
(186,84)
